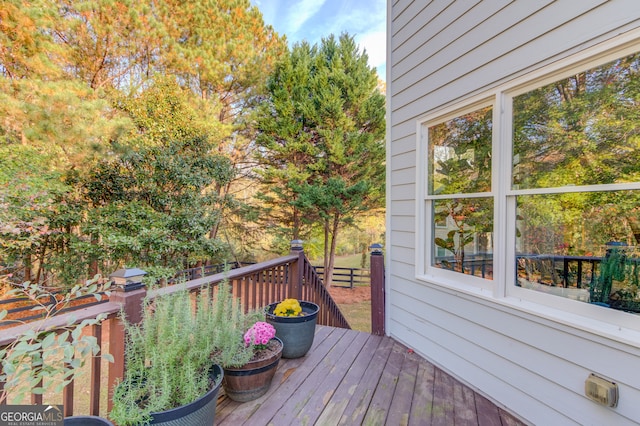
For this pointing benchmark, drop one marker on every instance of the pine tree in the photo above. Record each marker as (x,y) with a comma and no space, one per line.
(321,139)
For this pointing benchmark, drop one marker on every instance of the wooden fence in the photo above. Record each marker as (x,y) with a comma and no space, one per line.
(347,277)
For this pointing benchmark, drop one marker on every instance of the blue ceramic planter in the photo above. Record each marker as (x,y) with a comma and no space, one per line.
(296,333)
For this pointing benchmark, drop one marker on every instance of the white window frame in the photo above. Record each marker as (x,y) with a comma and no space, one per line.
(595,317)
(425,221)
(606,322)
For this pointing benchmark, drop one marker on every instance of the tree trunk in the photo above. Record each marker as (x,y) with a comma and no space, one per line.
(328,272)
(634,224)
(93,264)
(40,259)
(325,262)
(27,267)
(296,224)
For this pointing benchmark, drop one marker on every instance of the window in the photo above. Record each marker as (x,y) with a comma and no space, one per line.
(547,167)
(459,201)
(575,185)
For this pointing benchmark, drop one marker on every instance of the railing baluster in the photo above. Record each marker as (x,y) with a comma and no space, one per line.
(96,370)
(245,294)
(36,398)
(261,289)
(3,401)
(67,398)
(579,278)
(254,294)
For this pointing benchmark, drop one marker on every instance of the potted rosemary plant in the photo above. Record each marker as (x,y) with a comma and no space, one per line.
(174,358)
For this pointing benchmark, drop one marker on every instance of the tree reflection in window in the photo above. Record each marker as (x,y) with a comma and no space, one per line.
(575,172)
(582,130)
(459,163)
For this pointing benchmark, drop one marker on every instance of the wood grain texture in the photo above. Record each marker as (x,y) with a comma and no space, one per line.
(355,378)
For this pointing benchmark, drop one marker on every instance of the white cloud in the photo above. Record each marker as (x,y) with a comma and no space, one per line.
(310,20)
(375,43)
(299,13)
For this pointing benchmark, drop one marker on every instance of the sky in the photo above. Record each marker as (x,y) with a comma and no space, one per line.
(311,20)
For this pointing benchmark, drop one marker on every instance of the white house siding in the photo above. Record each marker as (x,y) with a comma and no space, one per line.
(442,52)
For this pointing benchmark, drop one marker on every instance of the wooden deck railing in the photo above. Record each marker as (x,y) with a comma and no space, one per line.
(256,285)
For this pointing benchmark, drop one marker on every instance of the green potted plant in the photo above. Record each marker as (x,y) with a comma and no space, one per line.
(618,279)
(174,358)
(295,324)
(252,380)
(44,358)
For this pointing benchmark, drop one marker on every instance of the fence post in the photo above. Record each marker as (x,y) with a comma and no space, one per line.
(129,293)
(377,290)
(297,271)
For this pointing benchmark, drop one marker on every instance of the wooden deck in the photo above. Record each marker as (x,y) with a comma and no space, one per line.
(353,378)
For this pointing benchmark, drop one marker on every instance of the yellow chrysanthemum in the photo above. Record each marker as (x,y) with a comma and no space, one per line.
(288,308)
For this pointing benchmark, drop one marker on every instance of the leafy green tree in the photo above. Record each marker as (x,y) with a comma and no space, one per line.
(581,130)
(321,139)
(155,206)
(166,111)
(52,126)
(89,79)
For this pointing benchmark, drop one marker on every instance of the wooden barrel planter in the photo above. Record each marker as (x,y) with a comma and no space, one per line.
(295,332)
(253,379)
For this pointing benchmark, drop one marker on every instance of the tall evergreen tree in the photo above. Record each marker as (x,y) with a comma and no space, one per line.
(321,140)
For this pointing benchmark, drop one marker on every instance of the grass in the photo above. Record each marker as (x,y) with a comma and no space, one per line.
(358,314)
(348,261)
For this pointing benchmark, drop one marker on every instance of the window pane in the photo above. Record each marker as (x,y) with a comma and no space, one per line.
(583,130)
(459,153)
(581,246)
(462,238)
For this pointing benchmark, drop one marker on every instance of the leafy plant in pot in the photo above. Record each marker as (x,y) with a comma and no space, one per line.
(295,324)
(45,357)
(252,380)
(174,357)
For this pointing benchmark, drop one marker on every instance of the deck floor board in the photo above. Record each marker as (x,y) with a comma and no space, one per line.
(354,378)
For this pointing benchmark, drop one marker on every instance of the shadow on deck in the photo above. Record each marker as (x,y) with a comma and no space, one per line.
(353,378)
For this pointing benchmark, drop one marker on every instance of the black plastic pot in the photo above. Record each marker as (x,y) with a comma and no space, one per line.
(201,412)
(86,421)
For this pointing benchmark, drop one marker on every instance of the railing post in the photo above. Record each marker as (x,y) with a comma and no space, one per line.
(297,271)
(377,290)
(129,293)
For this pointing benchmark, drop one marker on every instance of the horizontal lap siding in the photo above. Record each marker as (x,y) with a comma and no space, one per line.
(403,192)
(443,52)
(548,367)
(402,224)
(484,58)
